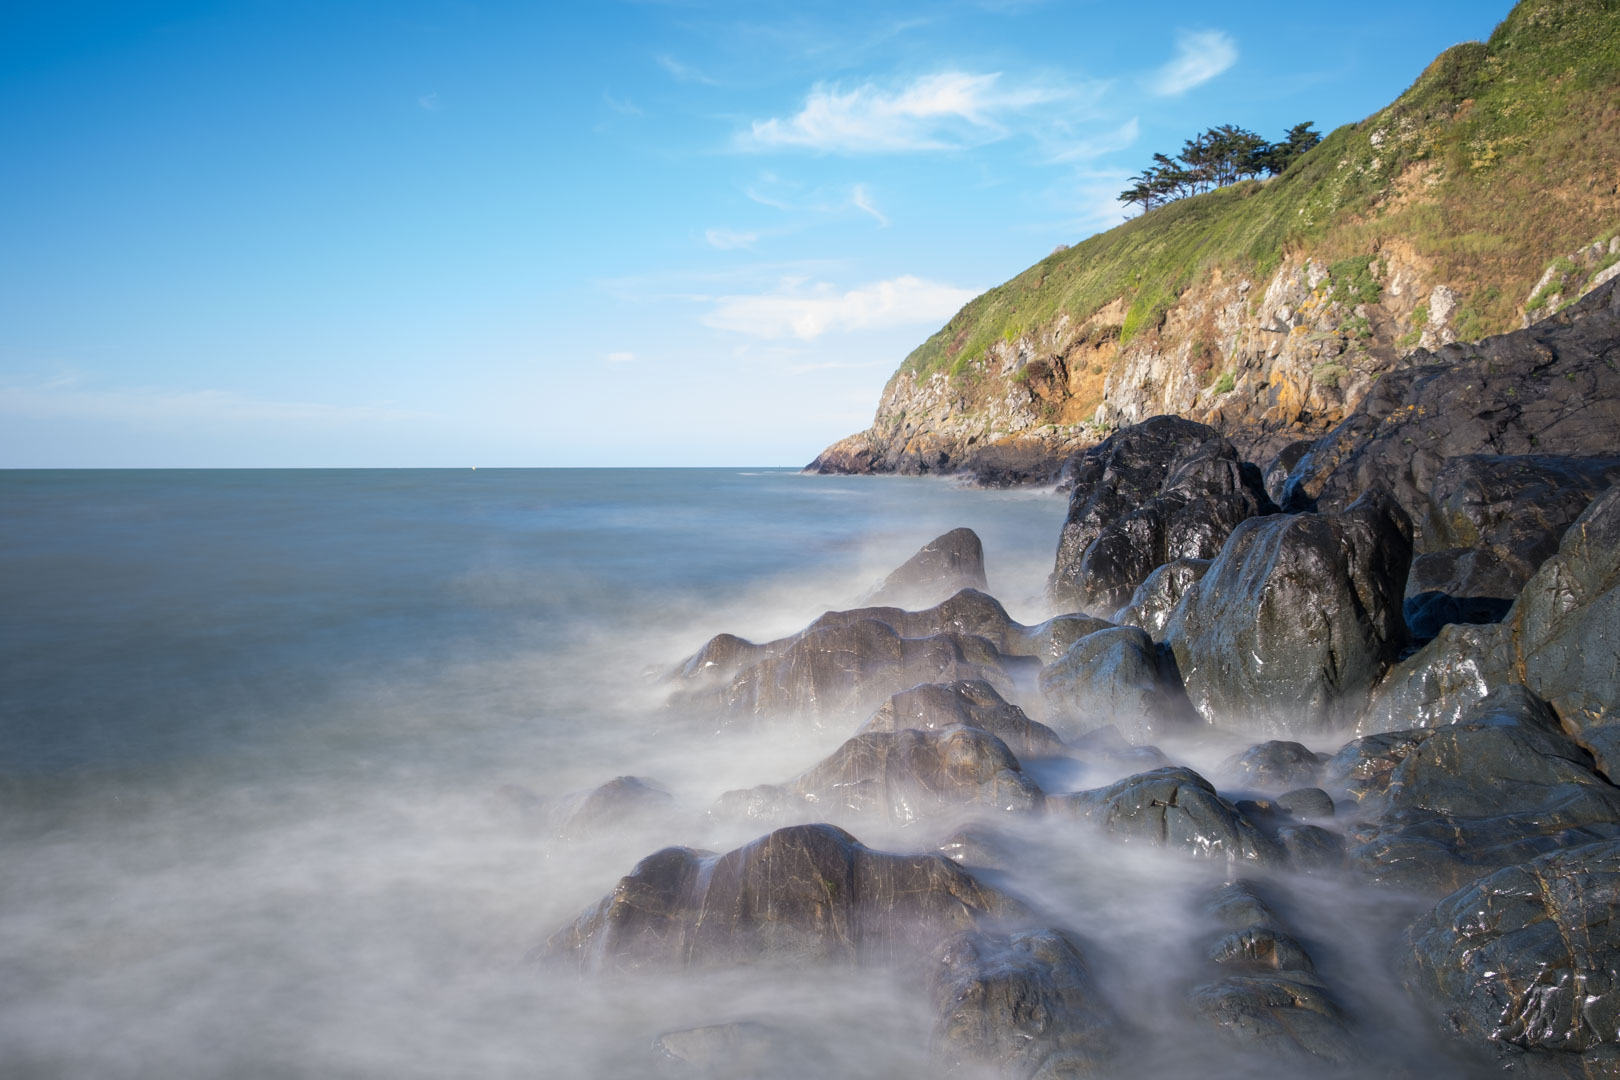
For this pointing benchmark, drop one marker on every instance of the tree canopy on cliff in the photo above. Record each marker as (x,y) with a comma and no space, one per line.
(1215,158)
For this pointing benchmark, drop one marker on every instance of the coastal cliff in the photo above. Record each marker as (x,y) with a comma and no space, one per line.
(1483,199)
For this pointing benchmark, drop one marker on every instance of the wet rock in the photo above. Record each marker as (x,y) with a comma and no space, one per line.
(989,846)
(1525,963)
(969,703)
(1239,904)
(945,565)
(1109,746)
(905,775)
(1551,389)
(1164,489)
(1156,598)
(1022,1005)
(1275,765)
(1311,848)
(1115,677)
(1460,585)
(1174,808)
(1279,467)
(1306,803)
(1296,619)
(613,805)
(1438,806)
(1261,948)
(804,894)
(1440,682)
(1284,1015)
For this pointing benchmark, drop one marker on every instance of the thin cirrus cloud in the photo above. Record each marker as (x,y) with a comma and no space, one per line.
(618,357)
(1200,56)
(730,239)
(949,110)
(794,310)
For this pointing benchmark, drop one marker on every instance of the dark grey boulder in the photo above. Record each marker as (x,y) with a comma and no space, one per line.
(1261,948)
(1297,617)
(945,565)
(1306,803)
(1551,389)
(1438,806)
(904,775)
(1020,1005)
(1173,808)
(616,803)
(1155,600)
(1164,489)
(1441,681)
(970,703)
(1524,963)
(1118,677)
(1277,470)
(1289,1016)
(1459,585)
(1275,766)
(804,894)
(1240,904)
(1311,848)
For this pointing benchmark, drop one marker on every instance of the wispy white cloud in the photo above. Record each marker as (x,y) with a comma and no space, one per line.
(1096,146)
(1200,56)
(729,239)
(618,357)
(624,107)
(806,311)
(76,397)
(683,72)
(944,111)
(429,102)
(862,199)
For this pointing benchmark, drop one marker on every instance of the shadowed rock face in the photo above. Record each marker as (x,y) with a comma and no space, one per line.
(1174,808)
(1551,389)
(1275,766)
(1296,619)
(1022,1005)
(945,565)
(805,894)
(1116,676)
(969,703)
(1525,963)
(1155,600)
(1164,489)
(905,775)
(1442,805)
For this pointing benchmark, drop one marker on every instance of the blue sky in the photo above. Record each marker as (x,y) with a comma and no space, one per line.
(656,233)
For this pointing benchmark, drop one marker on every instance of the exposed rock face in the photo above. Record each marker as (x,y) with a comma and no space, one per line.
(1115,677)
(1175,808)
(1551,389)
(1275,766)
(1021,1004)
(1155,600)
(1165,489)
(1525,962)
(935,706)
(1296,618)
(1491,522)
(1442,805)
(1441,681)
(805,894)
(905,775)
(946,565)
(611,805)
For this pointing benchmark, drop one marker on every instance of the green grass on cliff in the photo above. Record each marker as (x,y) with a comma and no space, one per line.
(1499,156)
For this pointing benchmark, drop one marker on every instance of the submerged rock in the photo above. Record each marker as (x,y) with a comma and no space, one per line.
(1174,808)
(905,775)
(1442,805)
(1296,619)
(970,703)
(1525,963)
(1115,677)
(614,804)
(808,893)
(1165,489)
(1022,1005)
(945,565)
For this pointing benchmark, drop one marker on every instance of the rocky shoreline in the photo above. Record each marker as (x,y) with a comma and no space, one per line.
(1431,591)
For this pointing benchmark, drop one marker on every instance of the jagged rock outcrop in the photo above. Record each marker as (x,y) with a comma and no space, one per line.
(1021,1005)
(945,566)
(1441,805)
(1296,618)
(1165,489)
(1115,677)
(934,706)
(1551,389)
(905,775)
(804,894)
(1524,963)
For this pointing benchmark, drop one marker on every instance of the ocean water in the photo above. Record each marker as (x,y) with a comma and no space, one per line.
(270,741)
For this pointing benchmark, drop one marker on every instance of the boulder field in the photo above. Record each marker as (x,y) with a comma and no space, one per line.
(1386,664)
